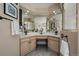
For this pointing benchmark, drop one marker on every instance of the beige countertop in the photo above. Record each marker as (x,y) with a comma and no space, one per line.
(38,34)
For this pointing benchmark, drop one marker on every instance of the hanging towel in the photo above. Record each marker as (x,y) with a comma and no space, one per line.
(64,48)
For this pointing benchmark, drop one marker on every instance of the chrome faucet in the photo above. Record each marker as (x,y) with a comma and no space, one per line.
(41,30)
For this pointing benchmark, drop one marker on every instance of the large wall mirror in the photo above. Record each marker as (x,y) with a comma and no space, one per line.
(29,24)
(54,23)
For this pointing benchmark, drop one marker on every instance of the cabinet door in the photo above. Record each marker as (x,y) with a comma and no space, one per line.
(32,44)
(49,44)
(53,44)
(25,47)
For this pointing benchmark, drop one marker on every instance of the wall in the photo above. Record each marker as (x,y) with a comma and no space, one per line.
(69,16)
(40,22)
(9,45)
(78,26)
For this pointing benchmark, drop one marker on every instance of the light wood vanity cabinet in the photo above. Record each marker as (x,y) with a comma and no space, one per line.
(32,44)
(53,44)
(27,45)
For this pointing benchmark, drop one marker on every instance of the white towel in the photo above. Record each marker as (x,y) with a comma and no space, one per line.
(64,49)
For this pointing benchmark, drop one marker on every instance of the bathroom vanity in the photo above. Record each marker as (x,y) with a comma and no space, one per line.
(28,42)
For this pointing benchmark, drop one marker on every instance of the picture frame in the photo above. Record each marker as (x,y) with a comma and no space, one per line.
(10,10)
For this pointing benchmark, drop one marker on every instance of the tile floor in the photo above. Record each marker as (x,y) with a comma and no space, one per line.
(42,51)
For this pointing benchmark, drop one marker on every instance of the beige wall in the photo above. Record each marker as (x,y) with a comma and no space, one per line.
(78,28)
(9,45)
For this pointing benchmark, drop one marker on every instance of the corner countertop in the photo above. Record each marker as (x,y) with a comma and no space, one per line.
(38,34)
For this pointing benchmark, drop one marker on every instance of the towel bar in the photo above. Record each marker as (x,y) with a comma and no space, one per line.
(5,18)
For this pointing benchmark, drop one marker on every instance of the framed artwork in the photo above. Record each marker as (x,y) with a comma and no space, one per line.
(16,3)
(10,10)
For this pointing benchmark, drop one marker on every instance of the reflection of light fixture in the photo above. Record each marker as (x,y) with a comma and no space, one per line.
(25,22)
(27,12)
(54,12)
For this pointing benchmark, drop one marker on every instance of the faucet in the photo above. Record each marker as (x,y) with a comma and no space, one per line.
(41,30)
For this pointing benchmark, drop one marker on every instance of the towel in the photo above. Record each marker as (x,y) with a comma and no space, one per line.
(64,49)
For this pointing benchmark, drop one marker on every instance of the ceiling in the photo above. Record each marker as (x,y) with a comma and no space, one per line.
(38,8)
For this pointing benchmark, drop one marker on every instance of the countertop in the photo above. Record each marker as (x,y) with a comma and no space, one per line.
(38,34)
